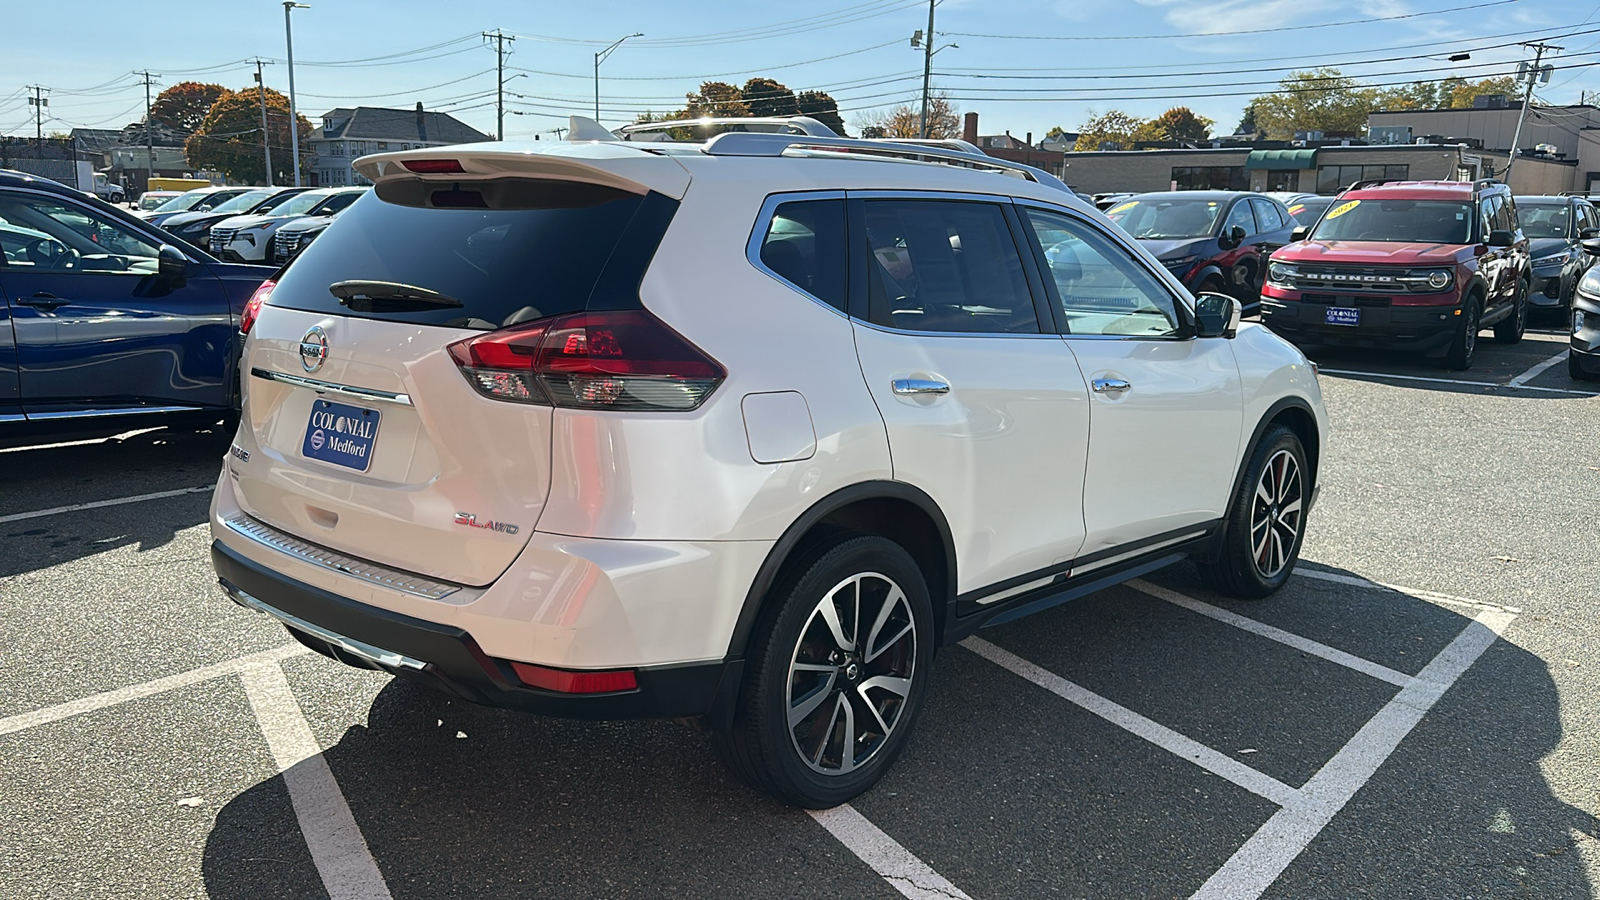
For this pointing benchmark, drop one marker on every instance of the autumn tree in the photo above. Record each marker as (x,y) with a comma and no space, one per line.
(1458,93)
(229,139)
(714,99)
(1323,99)
(905,120)
(1176,124)
(184,105)
(818,105)
(1113,125)
(765,97)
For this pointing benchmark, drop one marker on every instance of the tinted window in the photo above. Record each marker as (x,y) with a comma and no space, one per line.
(804,246)
(938,265)
(510,251)
(1505,213)
(337,202)
(1428,221)
(1101,289)
(1240,217)
(1267,214)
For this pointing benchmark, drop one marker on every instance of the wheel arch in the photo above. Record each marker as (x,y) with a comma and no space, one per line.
(1294,413)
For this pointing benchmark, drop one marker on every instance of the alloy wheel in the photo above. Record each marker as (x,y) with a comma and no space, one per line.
(851,673)
(1277,513)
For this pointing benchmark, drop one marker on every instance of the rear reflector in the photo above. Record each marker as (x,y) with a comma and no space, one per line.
(252,307)
(568,682)
(616,360)
(433,166)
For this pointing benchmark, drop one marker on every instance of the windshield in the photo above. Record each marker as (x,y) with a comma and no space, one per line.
(300,204)
(184,201)
(1545,220)
(1397,221)
(1166,219)
(148,202)
(242,203)
(1310,209)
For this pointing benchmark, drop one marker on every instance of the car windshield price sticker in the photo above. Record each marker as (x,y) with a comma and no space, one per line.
(341,434)
(1342,208)
(1341,315)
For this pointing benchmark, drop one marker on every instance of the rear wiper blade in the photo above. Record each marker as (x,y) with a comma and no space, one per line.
(388,296)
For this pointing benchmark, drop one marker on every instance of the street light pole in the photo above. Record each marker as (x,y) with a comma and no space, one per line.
(600,58)
(927,70)
(294,124)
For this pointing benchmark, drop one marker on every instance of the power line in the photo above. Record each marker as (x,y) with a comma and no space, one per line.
(1211,34)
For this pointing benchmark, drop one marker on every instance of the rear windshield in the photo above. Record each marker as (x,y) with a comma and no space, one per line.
(1404,221)
(511,251)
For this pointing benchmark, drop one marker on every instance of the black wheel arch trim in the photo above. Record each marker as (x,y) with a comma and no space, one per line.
(1206,271)
(1313,454)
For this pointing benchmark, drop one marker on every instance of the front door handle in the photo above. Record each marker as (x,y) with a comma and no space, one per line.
(1110,386)
(44,301)
(904,386)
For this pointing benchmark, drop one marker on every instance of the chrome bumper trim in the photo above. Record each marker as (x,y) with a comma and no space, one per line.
(372,573)
(328,387)
(376,655)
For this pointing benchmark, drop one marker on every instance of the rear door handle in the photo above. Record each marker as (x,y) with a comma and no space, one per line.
(41,300)
(904,386)
(1110,385)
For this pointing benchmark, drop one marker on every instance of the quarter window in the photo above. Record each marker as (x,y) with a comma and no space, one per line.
(939,265)
(1101,289)
(804,246)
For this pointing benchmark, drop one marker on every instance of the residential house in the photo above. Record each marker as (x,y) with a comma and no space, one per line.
(348,134)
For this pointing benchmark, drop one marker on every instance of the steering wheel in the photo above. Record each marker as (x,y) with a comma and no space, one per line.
(45,252)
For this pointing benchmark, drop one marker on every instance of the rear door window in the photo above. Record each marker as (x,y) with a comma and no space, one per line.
(1240,216)
(509,251)
(1267,214)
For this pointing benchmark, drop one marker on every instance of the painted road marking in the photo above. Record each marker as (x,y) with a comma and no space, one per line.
(1538,370)
(1256,865)
(1304,645)
(1217,763)
(1481,384)
(1358,581)
(98,504)
(898,866)
(147,689)
(337,847)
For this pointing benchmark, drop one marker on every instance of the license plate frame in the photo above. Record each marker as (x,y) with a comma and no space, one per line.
(341,434)
(1347,316)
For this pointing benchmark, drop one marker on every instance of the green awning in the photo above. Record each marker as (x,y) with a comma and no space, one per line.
(1281,159)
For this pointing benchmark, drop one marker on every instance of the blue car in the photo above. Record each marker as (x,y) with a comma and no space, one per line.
(106,322)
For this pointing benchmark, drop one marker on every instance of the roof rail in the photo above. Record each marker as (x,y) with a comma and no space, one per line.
(803,125)
(754,144)
(946,143)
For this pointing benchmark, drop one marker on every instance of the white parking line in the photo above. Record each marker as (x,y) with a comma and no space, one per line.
(1256,865)
(1217,763)
(147,689)
(1304,645)
(898,866)
(337,847)
(97,504)
(1538,370)
(1358,581)
(1481,384)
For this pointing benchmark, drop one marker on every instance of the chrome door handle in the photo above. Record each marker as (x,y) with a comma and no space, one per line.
(919,386)
(1110,385)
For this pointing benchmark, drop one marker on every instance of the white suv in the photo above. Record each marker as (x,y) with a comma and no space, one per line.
(740,430)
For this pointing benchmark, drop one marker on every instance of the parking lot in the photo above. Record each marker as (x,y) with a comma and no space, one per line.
(1413,716)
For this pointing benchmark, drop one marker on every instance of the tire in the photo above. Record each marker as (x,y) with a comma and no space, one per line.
(814,689)
(1459,357)
(1509,330)
(1576,371)
(1265,523)
(1211,285)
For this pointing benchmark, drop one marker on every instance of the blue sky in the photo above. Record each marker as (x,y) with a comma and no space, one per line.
(1024,65)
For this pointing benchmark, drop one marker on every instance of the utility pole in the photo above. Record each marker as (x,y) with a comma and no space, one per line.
(927,69)
(38,102)
(1534,73)
(266,138)
(290,6)
(149,137)
(499,39)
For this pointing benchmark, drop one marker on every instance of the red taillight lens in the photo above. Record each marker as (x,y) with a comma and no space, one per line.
(252,308)
(568,682)
(619,360)
(433,166)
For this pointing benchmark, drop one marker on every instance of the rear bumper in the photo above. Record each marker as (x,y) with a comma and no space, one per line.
(1425,329)
(448,658)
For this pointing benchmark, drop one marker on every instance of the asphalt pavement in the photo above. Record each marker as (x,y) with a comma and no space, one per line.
(1413,716)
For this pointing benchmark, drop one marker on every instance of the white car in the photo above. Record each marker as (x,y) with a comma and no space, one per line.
(741,429)
(248,238)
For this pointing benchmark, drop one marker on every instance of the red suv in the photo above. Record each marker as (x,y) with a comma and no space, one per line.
(1423,265)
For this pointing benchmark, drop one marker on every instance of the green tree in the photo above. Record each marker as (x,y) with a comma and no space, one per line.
(1112,125)
(1176,124)
(183,106)
(1322,99)
(1247,123)
(229,139)
(1458,93)
(765,97)
(714,99)
(818,105)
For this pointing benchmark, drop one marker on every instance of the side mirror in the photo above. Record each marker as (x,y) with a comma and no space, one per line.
(1500,238)
(1592,246)
(1589,233)
(1217,315)
(1232,238)
(1299,233)
(172,266)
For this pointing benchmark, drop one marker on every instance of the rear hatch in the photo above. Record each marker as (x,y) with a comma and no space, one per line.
(364,434)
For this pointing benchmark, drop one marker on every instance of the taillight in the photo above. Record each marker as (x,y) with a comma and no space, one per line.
(617,360)
(570,682)
(252,308)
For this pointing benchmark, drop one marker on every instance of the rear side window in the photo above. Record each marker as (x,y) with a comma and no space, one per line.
(510,251)
(804,246)
(1267,214)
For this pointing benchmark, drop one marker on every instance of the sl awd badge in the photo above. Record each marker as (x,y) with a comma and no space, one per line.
(471,521)
(314,349)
